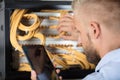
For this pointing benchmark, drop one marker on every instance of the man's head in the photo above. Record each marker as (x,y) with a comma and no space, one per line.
(97,21)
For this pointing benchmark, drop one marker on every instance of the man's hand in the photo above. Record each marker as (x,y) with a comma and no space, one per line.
(66,24)
(33,75)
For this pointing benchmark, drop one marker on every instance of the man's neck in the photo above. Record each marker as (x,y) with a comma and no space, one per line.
(109,45)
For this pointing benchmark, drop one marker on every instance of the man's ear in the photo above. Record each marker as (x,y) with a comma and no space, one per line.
(94,30)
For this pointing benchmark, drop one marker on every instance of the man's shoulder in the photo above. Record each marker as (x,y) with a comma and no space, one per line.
(94,76)
(112,66)
(111,70)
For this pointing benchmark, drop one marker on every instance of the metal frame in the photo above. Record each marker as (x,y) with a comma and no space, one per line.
(5,42)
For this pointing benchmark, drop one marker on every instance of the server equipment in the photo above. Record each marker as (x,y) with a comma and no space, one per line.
(34,22)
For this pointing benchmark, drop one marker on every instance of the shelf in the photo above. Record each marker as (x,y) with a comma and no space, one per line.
(34,4)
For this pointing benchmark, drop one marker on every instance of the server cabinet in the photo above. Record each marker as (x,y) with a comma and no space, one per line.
(6,8)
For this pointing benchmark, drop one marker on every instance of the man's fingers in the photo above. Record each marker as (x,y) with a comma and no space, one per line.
(68,38)
(65,26)
(60,77)
(57,71)
(33,75)
(65,20)
(69,15)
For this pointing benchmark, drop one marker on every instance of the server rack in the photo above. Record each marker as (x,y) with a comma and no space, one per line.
(6,7)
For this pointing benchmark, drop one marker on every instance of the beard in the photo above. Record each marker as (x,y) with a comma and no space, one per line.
(90,52)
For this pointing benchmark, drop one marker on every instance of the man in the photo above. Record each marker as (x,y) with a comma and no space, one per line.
(98,25)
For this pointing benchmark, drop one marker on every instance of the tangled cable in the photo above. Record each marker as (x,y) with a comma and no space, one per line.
(31,31)
(73,58)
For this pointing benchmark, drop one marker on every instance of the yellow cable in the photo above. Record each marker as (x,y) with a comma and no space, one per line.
(56,59)
(26,37)
(30,30)
(13,30)
(32,27)
(41,37)
(78,57)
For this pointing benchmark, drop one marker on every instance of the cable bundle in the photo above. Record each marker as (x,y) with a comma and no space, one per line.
(17,27)
(72,58)
(31,31)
